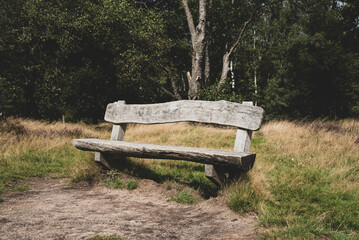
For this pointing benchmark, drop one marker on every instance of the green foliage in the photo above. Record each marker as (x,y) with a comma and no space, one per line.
(226,93)
(182,197)
(71,58)
(308,71)
(77,57)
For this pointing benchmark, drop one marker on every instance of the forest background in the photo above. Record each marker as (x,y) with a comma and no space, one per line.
(296,59)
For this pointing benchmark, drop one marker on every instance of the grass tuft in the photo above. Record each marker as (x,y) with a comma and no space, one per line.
(117,183)
(106,237)
(242,198)
(131,184)
(21,188)
(114,179)
(182,197)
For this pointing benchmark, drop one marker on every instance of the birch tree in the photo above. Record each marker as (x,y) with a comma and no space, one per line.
(198,34)
(199,45)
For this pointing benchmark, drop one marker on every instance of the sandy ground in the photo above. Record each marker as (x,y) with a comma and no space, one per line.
(53,210)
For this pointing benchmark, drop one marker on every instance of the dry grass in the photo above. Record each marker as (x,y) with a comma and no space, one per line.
(31,148)
(304,184)
(316,145)
(306,177)
(183,134)
(42,136)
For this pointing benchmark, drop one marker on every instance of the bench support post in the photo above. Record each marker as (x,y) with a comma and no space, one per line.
(242,144)
(117,134)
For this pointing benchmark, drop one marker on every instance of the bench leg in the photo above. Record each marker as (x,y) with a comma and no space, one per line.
(211,174)
(117,134)
(222,175)
(100,158)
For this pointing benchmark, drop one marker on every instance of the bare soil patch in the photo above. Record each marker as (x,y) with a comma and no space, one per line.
(53,210)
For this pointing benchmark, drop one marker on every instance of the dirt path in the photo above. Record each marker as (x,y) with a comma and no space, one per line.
(52,210)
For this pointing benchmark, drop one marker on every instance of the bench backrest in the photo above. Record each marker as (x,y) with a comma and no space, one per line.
(245,117)
(219,112)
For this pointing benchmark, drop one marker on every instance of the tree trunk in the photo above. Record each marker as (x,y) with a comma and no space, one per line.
(207,63)
(197,73)
(207,66)
(198,34)
(225,70)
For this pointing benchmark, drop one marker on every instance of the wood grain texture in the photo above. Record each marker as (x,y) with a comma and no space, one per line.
(217,112)
(142,150)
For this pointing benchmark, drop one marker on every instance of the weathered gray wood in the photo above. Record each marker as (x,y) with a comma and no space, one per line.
(219,112)
(118,132)
(211,173)
(100,158)
(242,144)
(243,140)
(243,137)
(142,150)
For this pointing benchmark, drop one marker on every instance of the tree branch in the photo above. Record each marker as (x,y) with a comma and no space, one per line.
(190,22)
(226,56)
(239,36)
(175,94)
(256,14)
(173,84)
(168,93)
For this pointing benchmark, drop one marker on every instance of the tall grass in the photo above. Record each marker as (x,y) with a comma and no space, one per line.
(304,184)
(306,177)
(36,149)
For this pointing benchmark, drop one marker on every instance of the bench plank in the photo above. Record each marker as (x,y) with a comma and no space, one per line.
(142,150)
(217,112)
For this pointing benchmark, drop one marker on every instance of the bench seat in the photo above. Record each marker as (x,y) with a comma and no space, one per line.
(242,160)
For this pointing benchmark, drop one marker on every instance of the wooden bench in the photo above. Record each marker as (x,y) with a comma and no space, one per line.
(245,117)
